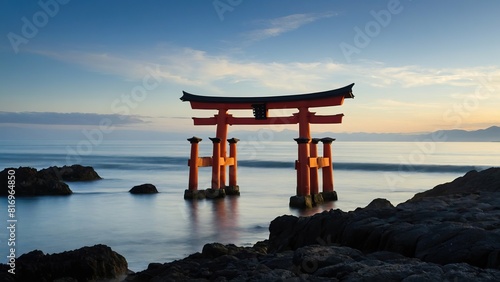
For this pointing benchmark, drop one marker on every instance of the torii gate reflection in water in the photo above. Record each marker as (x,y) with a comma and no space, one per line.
(308,161)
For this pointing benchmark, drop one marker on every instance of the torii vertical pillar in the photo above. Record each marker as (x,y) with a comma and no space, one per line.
(314,169)
(192,191)
(216,191)
(328,193)
(221,133)
(303,197)
(233,188)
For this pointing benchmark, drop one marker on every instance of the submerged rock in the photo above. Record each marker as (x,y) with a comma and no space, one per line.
(144,189)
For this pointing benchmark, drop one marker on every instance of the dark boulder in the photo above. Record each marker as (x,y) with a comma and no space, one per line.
(144,189)
(72,173)
(379,203)
(30,182)
(85,264)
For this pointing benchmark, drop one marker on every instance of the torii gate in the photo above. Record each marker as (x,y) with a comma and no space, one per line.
(308,161)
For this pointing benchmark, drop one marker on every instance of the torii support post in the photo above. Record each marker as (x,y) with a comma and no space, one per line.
(221,133)
(314,169)
(233,188)
(328,193)
(315,163)
(216,191)
(192,191)
(303,198)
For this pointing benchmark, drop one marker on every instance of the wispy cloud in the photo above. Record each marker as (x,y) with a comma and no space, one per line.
(197,68)
(278,26)
(67,118)
(384,104)
(416,76)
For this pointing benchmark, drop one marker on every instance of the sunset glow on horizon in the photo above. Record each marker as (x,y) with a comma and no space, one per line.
(418,66)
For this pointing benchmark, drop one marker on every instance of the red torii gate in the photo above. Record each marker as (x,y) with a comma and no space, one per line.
(308,161)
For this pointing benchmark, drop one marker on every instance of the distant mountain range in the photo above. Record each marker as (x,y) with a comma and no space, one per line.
(491,134)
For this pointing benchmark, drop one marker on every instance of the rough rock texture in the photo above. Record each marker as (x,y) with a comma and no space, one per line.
(440,226)
(85,264)
(144,189)
(30,182)
(72,173)
(219,262)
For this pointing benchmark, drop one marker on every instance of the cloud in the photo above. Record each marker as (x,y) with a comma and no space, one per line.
(197,68)
(416,76)
(278,26)
(51,118)
(384,104)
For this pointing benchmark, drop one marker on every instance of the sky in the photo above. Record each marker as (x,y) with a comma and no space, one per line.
(418,66)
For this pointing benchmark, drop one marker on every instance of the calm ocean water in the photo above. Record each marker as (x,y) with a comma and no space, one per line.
(164,227)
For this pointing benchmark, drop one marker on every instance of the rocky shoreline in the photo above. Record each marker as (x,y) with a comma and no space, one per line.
(449,233)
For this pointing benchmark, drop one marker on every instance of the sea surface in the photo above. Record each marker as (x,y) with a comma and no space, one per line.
(164,227)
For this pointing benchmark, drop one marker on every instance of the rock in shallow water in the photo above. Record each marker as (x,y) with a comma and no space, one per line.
(72,173)
(30,182)
(144,189)
(48,181)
